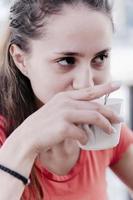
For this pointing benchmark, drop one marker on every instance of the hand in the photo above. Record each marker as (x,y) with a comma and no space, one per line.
(61,116)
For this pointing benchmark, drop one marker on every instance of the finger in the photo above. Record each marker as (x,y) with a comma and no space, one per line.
(112,116)
(107,112)
(94,106)
(94,92)
(76,133)
(88,131)
(91,118)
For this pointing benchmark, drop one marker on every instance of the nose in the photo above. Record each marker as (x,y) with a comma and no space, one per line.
(83,78)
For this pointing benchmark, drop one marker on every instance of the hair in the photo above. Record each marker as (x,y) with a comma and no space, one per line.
(28,19)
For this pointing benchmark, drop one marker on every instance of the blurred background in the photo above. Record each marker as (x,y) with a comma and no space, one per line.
(122,69)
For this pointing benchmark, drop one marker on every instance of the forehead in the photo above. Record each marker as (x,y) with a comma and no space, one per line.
(78,27)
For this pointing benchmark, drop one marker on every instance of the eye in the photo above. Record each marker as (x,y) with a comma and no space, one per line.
(100,60)
(67,61)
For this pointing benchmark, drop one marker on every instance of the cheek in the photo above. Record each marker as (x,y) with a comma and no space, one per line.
(101,77)
(45,87)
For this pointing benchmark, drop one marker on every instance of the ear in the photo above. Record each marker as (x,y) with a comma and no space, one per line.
(19,59)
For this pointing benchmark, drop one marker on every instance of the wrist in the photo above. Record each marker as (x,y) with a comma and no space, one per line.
(17,154)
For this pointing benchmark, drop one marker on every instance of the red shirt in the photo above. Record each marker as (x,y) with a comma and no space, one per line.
(87,179)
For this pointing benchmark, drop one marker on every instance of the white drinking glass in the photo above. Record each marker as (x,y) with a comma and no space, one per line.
(99,140)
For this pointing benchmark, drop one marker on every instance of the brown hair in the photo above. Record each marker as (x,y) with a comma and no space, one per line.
(27,21)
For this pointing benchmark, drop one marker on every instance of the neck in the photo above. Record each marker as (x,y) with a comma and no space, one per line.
(61,158)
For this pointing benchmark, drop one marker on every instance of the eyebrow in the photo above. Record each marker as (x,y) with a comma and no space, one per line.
(80,55)
(103,51)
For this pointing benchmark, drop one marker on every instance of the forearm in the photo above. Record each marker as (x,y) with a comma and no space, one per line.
(15,154)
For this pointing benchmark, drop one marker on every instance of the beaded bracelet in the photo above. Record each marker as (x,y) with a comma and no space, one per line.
(25,180)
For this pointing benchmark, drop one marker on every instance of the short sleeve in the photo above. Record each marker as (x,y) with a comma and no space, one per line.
(126,139)
(2,130)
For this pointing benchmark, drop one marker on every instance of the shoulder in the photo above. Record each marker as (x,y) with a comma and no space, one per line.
(126,139)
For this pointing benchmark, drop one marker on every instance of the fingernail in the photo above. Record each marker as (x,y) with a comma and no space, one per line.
(113,130)
(116,84)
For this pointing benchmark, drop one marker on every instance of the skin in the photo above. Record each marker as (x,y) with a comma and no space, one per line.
(59,86)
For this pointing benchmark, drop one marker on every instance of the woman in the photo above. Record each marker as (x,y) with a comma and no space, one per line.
(56,62)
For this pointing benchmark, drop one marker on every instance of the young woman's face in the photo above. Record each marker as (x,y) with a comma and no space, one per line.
(74,54)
